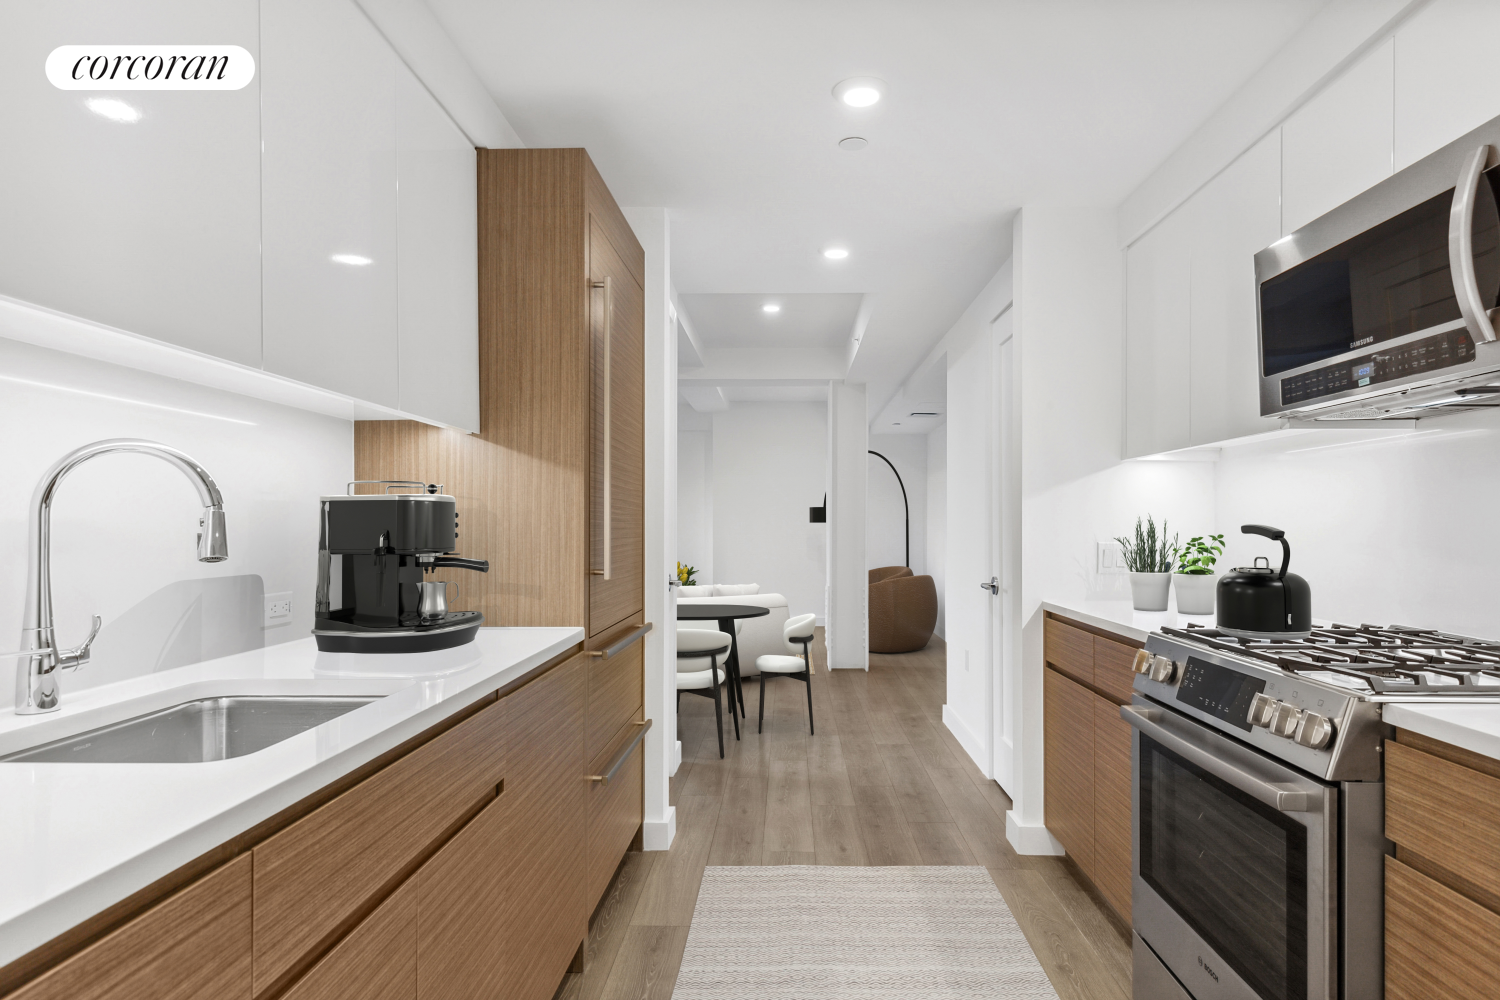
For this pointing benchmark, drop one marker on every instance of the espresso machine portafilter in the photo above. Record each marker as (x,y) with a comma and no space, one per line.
(376,552)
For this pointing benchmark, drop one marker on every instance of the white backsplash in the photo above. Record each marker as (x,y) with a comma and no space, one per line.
(123,526)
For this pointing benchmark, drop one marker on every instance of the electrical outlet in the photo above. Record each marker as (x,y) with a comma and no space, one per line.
(278,609)
(1108,558)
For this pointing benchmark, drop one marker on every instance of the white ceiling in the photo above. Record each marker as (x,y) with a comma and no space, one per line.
(808,319)
(723,113)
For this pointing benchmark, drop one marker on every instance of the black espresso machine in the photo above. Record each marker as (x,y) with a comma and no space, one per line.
(375,554)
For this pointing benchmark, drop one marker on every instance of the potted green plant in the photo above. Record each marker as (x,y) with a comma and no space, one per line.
(1149,556)
(1195,579)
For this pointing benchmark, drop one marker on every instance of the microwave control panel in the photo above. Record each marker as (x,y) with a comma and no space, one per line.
(1442,350)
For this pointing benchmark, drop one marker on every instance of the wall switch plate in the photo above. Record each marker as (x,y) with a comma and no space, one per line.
(1108,558)
(278,608)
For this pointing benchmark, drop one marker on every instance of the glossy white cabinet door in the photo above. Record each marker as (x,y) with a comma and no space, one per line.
(437,254)
(329,198)
(1233,217)
(148,220)
(1339,143)
(1445,75)
(1158,292)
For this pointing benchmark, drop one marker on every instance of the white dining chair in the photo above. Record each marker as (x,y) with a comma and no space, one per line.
(699,671)
(796,632)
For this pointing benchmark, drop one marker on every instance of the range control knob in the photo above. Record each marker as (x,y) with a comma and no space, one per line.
(1142,663)
(1261,710)
(1284,720)
(1314,731)
(1163,670)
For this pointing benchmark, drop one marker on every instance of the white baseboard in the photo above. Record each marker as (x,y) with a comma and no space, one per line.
(657,835)
(972,744)
(676,760)
(1030,839)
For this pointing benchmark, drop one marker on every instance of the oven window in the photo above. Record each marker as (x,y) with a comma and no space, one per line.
(1386,282)
(1233,868)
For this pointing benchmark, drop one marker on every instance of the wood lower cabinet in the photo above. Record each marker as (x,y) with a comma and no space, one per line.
(1087,753)
(194,945)
(1438,943)
(377,961)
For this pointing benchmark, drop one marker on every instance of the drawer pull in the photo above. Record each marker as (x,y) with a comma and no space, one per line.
(624,754)
(623,644)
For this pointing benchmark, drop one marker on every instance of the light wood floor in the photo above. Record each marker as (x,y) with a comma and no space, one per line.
(882,783)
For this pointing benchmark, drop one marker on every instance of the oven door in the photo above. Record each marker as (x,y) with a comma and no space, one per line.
(1235,863)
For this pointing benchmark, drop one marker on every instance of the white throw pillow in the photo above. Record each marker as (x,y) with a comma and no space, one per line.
(706,590)
(735,589)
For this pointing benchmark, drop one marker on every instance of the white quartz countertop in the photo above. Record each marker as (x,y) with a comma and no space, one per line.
(80,837)
(1473,727)
(1120,618)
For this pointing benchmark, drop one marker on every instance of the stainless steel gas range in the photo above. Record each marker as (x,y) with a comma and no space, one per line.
(1258,804)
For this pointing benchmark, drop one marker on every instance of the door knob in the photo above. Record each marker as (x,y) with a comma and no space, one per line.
(993,586)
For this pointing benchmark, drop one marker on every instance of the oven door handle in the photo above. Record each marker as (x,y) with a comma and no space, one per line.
(1274,795)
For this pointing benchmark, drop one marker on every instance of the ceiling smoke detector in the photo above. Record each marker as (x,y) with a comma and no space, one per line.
(860,91)
(853,143)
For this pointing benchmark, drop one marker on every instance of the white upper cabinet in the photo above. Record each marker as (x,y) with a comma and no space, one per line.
(1339,143)
(1445,75)
(437,261)
(1233,217)
(1158,288)
(328,199)
(137,209)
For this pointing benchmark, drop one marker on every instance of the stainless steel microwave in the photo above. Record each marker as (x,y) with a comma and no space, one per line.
(1386,306)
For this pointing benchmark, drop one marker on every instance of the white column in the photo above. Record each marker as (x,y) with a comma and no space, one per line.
(848,631)
(661,751)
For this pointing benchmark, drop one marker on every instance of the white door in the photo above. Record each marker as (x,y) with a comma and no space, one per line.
(1005,509)
(972,543)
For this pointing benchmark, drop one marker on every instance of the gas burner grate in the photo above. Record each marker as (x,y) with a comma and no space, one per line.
(1385,659)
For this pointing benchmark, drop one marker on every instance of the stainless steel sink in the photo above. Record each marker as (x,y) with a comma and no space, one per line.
(196,731)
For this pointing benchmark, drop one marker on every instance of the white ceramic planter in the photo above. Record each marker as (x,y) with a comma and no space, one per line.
(1148,591)
(1195,593)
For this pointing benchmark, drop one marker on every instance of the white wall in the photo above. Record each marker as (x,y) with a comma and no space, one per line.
(123,526)
(885,538)
(695,508)
(848,618)
(769,464)
(937,517)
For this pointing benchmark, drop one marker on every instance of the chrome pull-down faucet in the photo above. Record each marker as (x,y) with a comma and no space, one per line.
(36,673)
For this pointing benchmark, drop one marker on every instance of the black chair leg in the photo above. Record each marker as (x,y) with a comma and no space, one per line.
(718,715)
(807,679)
(760,720)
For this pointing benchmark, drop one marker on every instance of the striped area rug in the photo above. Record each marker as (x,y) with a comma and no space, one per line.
(799,932)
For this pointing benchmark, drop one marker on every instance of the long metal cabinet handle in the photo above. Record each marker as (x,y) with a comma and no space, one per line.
(622,756)
(1461,248)
(1282,799)
(609,508)
(623,644)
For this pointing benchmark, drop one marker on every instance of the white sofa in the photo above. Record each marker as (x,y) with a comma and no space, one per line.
(757,636)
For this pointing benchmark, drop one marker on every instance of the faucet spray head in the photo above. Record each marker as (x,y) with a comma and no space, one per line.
(213,546)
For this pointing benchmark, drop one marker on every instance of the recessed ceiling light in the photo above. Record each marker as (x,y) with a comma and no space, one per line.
(853,143)
(860,91)
(115,111)
(353,259)
(770,307)
(835,253)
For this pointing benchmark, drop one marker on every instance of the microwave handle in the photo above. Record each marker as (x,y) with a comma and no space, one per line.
(1275,796)
(1461,248)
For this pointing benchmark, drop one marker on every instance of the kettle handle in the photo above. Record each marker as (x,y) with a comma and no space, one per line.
(1276,535)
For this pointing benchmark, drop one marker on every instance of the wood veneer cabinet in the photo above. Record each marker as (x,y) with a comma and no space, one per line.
(1087,753)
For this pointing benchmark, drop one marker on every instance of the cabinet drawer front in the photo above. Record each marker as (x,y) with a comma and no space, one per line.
(615,814)
(1114,670)
(1068,763)
(377,961)
(194,945)
(1112,805)
(313,876)
(1444,812)
(616,694)
(1070,650)
(1437,942)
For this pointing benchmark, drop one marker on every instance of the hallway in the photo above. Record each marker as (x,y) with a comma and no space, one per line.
(882,783)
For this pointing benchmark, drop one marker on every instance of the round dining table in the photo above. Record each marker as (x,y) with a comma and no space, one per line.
(725,615)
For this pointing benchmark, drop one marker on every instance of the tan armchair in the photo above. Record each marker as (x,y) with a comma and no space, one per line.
(903,610)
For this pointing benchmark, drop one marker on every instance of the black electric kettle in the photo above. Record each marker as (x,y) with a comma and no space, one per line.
(1257,602)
